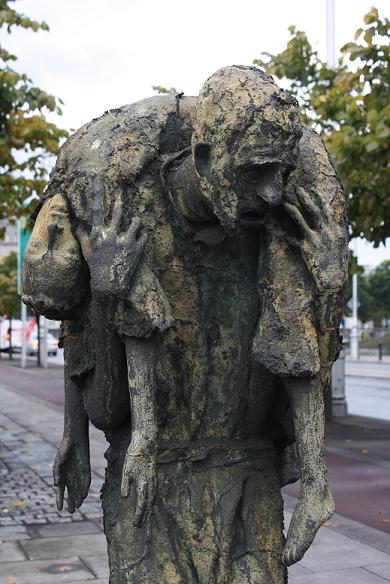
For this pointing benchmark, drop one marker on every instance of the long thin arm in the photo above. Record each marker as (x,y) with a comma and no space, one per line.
(315,504)
(140,462)
(72,465)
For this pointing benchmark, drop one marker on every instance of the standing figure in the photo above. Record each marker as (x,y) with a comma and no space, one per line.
(187,251)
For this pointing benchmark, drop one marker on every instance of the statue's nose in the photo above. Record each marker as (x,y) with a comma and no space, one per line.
(271,194)
(270,188)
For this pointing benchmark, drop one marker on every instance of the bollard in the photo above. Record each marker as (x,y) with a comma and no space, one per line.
(339,403)
(380,349)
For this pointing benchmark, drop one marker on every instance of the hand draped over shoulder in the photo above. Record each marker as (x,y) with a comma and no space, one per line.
(303,269)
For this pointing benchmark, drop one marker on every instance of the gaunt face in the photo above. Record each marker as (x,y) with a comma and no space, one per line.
(242,183)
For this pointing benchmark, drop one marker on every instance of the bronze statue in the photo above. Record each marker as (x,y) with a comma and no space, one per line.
(196,252)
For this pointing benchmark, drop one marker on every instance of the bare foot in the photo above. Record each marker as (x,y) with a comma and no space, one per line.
(311,512)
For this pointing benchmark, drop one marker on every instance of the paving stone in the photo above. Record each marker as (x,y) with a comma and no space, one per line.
(341,554)
(34,521)
(13,532)
(10,551)
(353,576)
(64,547)
(47,572)
(98,565)
(297,570)
(382,570)
(63,530)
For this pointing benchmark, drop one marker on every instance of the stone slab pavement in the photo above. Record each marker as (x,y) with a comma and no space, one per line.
(39,545)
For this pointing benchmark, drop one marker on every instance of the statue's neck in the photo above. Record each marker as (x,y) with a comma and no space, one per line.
(186,190)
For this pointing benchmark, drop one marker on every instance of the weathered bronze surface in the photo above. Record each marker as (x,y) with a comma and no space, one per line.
(196,252)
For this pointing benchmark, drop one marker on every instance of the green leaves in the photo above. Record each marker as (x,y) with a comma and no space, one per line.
(161,90)
(10,18)
(374,294)
(27,139)
(9,298)
(350,106)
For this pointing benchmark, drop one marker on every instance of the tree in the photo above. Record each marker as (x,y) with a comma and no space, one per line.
(9,297)
(27,139)
(366,301)
(350,106)
(378,283)
(161,90)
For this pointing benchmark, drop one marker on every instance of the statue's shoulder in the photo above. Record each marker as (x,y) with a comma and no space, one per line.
(119,147)
(145,129)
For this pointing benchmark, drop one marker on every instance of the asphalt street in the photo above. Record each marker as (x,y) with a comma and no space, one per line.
(367,388)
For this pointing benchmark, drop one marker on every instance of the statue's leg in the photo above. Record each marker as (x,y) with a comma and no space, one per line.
(218,519)
(105,388)
(315,504)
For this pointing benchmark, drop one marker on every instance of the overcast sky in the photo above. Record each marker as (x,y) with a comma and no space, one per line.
(101,54)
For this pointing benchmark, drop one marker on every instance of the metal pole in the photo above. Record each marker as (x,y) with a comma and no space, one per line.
(23,311)
(43,342)
(10,337)
(354,329)
(339,403)
(330,34)
(39,340)
(337,387)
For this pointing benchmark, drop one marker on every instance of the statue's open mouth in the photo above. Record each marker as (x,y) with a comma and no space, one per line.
(251,217)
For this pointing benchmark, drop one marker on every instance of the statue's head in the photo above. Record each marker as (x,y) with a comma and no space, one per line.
(245,143)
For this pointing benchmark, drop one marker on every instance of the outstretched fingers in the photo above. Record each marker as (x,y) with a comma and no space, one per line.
(142,501)
(298,219)
(126,481)
(310,207)
(134,229)
(60,490)
(117,213)
(71,503)
(135,237)
(97,207)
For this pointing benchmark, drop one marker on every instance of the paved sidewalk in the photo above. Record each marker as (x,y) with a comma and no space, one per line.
(38,545)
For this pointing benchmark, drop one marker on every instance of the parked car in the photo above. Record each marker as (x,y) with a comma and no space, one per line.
(32,343)
(31,336)
(5,335)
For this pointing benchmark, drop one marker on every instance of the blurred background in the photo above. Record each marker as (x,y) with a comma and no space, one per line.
(64,63)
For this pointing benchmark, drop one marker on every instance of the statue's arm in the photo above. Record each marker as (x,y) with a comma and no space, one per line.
(72,469)
(139,469)
(315,203)
(55,276)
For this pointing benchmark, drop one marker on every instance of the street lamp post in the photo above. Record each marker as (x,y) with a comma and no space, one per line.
(339,403)
(355,327)
(330,33)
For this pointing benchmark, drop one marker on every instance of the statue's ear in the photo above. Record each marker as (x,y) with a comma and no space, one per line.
(202,158)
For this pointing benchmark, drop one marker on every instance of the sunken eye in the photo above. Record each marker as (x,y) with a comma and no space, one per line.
(258,173)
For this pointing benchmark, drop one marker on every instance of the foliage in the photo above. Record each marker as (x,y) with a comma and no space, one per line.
(373,292)
(161,90)
(27,139)
(350,106)
(9,298)
(369,342)
(378,285)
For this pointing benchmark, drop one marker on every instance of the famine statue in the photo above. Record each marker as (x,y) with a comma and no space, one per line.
(195,250)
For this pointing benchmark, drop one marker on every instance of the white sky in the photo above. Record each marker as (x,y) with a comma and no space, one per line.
(101,54)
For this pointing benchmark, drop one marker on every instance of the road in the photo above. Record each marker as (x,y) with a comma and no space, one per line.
(358,448)
(367,388)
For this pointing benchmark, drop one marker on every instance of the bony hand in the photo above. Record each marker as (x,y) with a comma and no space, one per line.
(72,470)
(321,239)
(114,252)
(140,470)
